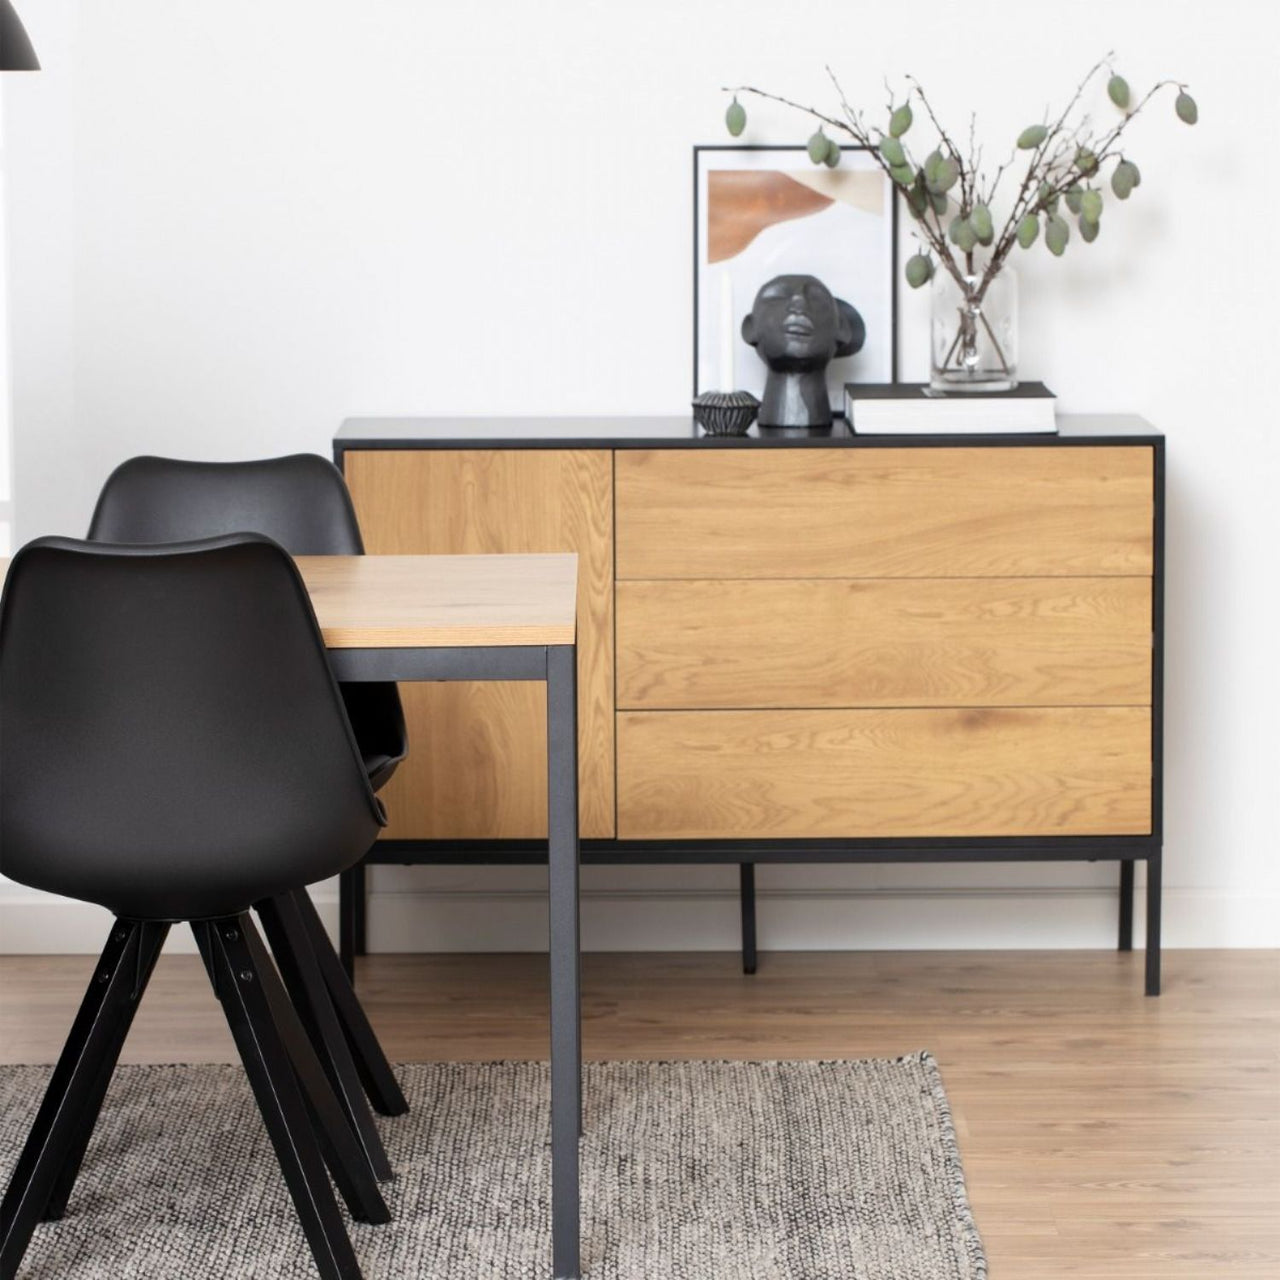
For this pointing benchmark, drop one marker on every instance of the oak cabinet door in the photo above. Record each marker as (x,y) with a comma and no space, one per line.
(477,751)
(949,512)
(1011,771)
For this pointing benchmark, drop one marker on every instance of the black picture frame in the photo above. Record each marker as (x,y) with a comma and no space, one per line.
(890,372)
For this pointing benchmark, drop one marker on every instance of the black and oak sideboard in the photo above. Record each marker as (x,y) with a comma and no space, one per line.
(796,647)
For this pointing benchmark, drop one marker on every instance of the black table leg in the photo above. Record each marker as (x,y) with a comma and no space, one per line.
(566,1047)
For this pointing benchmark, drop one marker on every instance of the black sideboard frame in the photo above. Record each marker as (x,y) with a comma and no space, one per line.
(587,433)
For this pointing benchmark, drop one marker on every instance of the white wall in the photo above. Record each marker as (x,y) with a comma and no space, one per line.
(232,225)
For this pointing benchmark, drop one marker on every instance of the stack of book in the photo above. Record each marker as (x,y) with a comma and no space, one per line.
(915,409)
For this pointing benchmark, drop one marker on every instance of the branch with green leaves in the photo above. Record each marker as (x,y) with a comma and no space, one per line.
(950,197)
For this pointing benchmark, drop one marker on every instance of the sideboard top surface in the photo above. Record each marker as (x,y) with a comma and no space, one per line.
(603,432)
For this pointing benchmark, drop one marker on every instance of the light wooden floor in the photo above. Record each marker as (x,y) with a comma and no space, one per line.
(1104,1135)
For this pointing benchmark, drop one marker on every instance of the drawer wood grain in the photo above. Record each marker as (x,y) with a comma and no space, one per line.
(477,751)
(1040,510)
(884,642)
(874,773)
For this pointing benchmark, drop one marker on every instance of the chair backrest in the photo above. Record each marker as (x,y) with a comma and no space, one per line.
(301,501)
(172,736)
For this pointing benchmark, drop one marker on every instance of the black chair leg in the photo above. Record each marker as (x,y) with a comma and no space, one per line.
(151,938)
(295,958)
(245,1002)
(379,1080)
(747,895)
(68,1106)
(343,1155)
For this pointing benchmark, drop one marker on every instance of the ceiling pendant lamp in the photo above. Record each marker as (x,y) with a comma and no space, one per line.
(16,53)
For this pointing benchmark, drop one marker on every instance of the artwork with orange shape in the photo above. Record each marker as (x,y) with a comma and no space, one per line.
(765,211)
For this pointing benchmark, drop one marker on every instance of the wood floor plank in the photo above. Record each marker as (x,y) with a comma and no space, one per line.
(1105,1136)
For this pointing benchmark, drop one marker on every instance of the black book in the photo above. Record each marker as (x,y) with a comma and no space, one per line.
(914,408)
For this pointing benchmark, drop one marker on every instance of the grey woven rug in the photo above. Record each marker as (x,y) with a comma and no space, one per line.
(691,1171)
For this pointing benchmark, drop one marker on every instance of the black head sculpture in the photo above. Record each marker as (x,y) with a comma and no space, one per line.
(799,327)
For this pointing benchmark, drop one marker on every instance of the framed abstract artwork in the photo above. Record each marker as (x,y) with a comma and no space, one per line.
(761,212)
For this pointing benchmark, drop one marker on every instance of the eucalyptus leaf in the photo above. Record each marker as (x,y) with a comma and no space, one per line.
(1032,136)
(1185,106)
(1122,180)
(1073,198)
(1056,235)
(983,225)
(946,174)
(1086,161)
(735,118)
(818,147)
(1028,230)
(892,151)
(919,270)
(962,234)
(1089,229)
(1091,205)
(833,156)
(900,120)
(1118,91)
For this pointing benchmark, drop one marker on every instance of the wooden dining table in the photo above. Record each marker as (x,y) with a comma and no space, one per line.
(486,617)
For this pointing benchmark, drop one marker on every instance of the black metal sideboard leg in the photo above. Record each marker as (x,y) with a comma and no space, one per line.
(747,896)
(1154,869)
(352,903)
(1126,905)
(360,883)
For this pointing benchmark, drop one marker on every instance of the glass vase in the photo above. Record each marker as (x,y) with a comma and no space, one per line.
(974,332)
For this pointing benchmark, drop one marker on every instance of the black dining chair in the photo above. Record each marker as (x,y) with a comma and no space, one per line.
(302,502)
(175,749)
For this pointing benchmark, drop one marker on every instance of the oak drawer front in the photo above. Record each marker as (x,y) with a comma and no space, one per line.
(1068,771)
(477,751)
(884,643)
(1040,510)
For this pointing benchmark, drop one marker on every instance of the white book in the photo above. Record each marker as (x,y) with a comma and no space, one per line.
(913,408)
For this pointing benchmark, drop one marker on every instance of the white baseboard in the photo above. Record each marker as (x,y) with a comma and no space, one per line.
(707,920)
(41,924)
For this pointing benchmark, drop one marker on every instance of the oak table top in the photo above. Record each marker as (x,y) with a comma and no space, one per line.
(430,601)
(404,602)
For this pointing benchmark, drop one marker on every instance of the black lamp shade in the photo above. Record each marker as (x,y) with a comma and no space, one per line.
(16,53)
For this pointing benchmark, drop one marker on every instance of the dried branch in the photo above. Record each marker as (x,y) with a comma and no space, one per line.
(1067,156)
